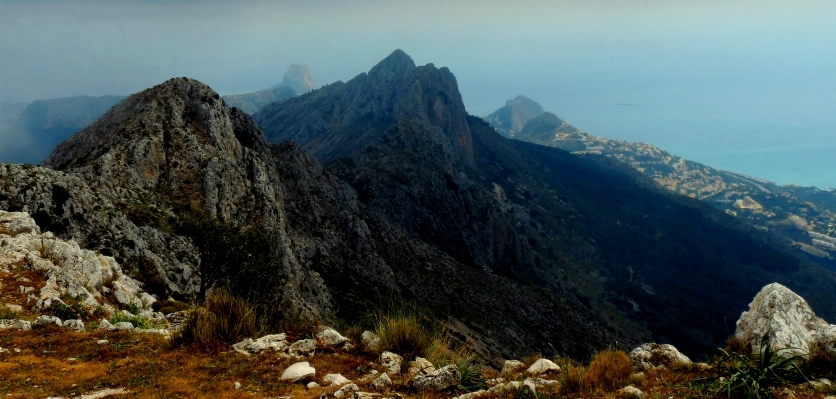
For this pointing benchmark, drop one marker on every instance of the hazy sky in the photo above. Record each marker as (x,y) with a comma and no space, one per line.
(730,62)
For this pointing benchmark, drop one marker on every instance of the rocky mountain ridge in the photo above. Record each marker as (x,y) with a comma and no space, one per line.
(803,217)
(393,194)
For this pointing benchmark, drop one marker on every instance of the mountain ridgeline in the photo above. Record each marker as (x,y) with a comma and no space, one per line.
(382,191)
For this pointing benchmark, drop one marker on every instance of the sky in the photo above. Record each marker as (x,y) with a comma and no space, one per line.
(727,83)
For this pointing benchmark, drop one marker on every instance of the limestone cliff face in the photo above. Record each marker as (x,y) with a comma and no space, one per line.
(399,135)
(172,145)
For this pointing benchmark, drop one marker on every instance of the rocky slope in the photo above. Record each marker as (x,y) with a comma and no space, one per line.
(539,217)
(803,217)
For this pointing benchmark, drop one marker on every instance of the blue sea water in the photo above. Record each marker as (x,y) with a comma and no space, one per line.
(785,135)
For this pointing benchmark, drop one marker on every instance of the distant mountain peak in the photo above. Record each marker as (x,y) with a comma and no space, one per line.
(510,119)
(298,77)
(395,64)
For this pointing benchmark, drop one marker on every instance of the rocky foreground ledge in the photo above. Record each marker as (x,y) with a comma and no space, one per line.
(43,355)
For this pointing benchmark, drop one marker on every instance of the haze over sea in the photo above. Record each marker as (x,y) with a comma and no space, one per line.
(746,86)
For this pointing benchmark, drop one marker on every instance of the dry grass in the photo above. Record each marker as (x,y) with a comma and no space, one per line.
(221,321)
(609,370)
(404,334)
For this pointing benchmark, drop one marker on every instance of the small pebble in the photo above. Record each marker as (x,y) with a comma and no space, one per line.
(101,341)
(237,385)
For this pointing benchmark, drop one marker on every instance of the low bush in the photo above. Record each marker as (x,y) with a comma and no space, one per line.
(821,362)
(222,320)
(74,310)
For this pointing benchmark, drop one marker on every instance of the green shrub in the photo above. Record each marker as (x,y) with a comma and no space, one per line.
(404,334)
(471,371)
(753,376)
(222,320)
(73,311)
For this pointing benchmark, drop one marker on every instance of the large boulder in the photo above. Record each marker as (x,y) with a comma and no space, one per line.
(298,372)
(651,355)
(392,362)
(780,318)
(249,346)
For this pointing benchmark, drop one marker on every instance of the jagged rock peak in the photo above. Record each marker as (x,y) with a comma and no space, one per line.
(525,103)
(395,64)
(299,78)
(510,119)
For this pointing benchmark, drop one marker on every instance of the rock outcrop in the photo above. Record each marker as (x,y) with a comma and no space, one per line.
(651,355)
(512,118)
(781,319)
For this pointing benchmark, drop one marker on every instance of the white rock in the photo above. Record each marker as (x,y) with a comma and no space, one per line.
(104,324)
(512,366)
(392,362)
(543,366)
(382,382)
(541,383)
(438,380)
(420,366)
(102,342)
(346,389)
(473,395)
(336,379)
(632,392)
(8,324)
(782,317)
(14,308)
(44,321)
(14,223)
(298,372)
(249,346)
(237,385)
(330,337)
(651,355)
(302,347)
(74,325)
(122,325)
(371,342)
(312,385)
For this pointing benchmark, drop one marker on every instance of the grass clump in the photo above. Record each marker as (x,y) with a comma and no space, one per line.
(608,371)
(753,376)
(404,334)
(472,377)
(170,306)
(222,320)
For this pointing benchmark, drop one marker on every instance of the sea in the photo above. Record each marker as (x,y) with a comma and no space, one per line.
(787,136)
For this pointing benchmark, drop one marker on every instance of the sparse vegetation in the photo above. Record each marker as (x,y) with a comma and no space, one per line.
(472,376)
(753,376)
(223,320)
(403,333)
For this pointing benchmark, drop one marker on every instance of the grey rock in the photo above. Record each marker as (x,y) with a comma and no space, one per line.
(74,325)
(45,321)
(302,347)
(331,337)
(632,392)
(782,318)
(420,366)
(391,362)
(122,325)
(382,382)
(512,366)
(336,379)
(651,355)
(104,324)
(370,341)
(249,346)
(14,223)
(8,324)
(312,385)
(438,380)
(346,390)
